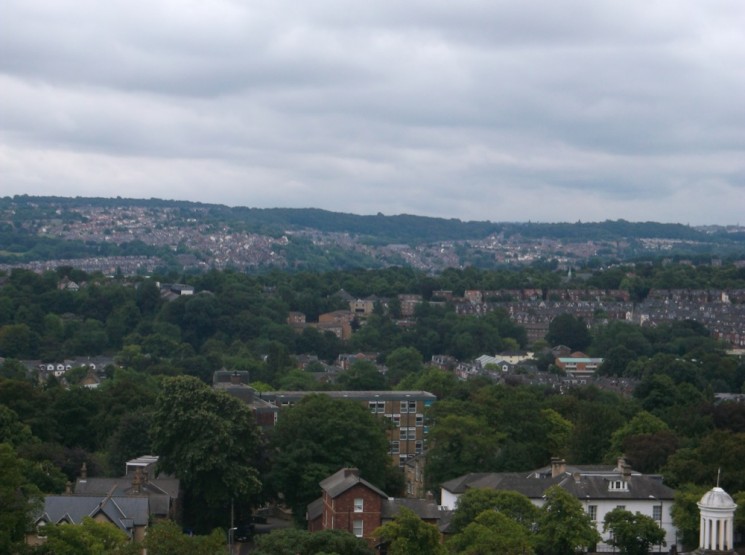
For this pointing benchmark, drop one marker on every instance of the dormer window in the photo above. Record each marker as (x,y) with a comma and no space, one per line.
(618,485)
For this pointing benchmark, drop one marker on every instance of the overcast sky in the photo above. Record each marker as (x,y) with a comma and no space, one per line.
(495,110)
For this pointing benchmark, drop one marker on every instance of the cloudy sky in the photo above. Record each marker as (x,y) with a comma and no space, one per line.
(497,110)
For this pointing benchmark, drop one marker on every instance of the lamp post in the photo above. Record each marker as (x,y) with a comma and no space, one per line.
(231,531)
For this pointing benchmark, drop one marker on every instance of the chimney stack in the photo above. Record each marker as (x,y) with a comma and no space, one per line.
(348,472)
(137,481)
(83,472)
(558,466)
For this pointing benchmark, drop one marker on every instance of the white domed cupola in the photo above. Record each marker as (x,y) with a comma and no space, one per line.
(717,522)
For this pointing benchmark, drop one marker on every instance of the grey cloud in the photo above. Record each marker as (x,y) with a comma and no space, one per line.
(476,109)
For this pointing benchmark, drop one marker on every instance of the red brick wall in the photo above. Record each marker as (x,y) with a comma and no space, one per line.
(341,510)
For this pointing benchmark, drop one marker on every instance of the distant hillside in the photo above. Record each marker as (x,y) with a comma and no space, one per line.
(403,228)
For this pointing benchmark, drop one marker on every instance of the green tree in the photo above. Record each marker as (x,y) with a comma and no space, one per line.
(685,513)
(407,534)
(461,444)
(633,533)
(18,499)
(362,375)
(13,431)
(209,440)
(642,423)
(492,532)
(402,362)
(166,538)
(510,503)
(317,437)
(563,526)
(569,330)
(87,538)
(292,541)
(17,341)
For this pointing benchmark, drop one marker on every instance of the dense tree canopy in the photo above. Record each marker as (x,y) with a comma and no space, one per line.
(209,440)
(317,437)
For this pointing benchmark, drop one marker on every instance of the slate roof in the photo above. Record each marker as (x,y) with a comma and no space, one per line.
(426,510)
(123,512)
(160,491)
(459,485)
(315,509)
(592,484)
(596,487)
(341,481)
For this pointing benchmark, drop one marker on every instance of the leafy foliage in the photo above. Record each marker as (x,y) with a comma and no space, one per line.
(563,526)
(208,439)
(492,531)
(166,538)
(407,534)
(317,437)
(633,533)
(509,503)
(18,499)
(291,541)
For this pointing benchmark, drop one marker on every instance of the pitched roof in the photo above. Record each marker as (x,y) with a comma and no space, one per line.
(315,509)
(123,512)
(595,484)
(160,490)
(426,510)
(459,485)
(341,481)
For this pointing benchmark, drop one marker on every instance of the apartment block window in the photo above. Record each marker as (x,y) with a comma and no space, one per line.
(418,446)
(419,420)
(412,406)
(396,419)
(404,405)
(407,433)
(592,510)
(622,507)
(402,460)
(376,406)
(358,528)
(395,447)
(358,504)
(657,512)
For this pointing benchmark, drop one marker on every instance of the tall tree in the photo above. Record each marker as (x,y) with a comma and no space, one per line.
(563,526)
(317,437)
(18,499)
(209,440)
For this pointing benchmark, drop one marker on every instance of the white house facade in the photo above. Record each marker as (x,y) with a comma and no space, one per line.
(600,489)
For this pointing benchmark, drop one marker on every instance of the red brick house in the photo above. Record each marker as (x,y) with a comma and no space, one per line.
(353,504)
(348,503)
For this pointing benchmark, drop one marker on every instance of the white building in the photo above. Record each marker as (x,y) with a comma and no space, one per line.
(600,489)
(716,529)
